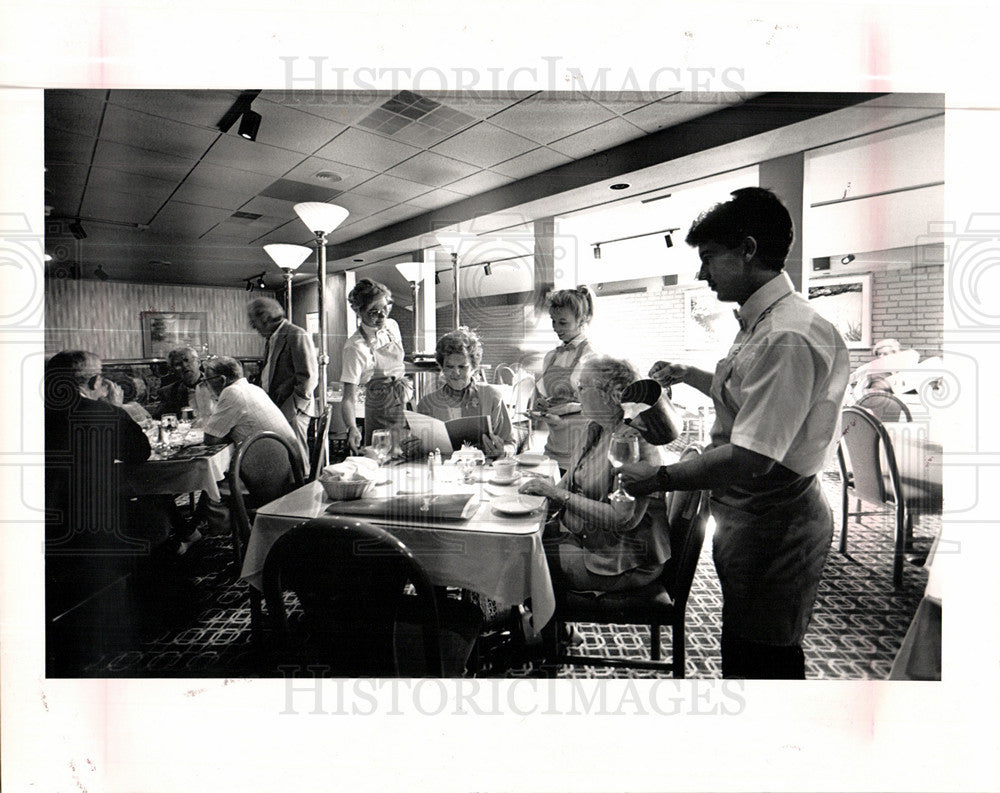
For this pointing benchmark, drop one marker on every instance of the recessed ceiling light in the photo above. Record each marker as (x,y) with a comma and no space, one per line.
(620,186)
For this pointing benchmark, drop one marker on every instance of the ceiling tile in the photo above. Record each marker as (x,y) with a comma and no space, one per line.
(432,169)
(597,138)
(60,175)
(273,207)
(366,150)
(75,111)
(673,110)
(479,183)
(178,217)
(484,145)
(532,162)
(621,102)
(206,196)
(292,129)
(295,233)
(436,198)
(248,155)
(350,175)
(360,206)
(159,134)
(345,107)
(200,108)
(242,184)
(119,207)
(545,118)
(63,146)
(141,161)
(296,192)
(390,188)
(134,184)
(478,104)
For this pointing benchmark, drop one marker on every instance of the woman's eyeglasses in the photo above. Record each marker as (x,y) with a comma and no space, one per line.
(382,311)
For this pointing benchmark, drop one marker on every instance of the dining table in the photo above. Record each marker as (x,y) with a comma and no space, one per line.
(495,550)
(187,466)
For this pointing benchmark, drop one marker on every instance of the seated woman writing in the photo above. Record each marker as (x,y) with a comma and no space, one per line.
(605,544)
(459,355)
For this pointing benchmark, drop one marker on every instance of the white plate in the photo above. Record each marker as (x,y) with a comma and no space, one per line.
(529,459)
(517,505)
(504,483)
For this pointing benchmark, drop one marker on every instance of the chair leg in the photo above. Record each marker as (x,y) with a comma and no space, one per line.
(897,561)
(654,642)
(677,640)
(843,519)
(256,618)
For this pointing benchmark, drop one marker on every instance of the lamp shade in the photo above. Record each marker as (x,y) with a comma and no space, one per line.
(287,257)
(320,217)
(409,270)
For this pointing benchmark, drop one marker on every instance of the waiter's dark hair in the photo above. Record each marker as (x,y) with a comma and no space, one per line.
(578,300)
(366,292)
(751,212)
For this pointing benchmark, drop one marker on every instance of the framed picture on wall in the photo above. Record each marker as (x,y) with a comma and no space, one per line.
(847,302)
(708,323)
(162,331)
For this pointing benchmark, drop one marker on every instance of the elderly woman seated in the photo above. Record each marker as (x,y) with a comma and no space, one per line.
(459,355)
(606,541)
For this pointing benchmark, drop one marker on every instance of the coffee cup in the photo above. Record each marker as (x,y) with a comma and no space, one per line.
(505,470)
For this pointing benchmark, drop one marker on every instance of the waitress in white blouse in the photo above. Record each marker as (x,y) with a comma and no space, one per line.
(373,357)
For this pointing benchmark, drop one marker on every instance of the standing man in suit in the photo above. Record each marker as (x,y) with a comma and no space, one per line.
(289,374)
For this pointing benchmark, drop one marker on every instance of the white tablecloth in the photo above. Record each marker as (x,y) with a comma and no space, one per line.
(190,474)
(499,556)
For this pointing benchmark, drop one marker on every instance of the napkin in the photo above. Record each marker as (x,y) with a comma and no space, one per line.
(352,469)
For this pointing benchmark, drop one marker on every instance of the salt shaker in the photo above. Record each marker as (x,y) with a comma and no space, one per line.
(431,465)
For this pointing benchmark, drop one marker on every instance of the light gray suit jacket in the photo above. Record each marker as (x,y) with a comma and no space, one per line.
(293,370)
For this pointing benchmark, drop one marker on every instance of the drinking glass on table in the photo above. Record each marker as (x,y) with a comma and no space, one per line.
(382,444)
(624,448)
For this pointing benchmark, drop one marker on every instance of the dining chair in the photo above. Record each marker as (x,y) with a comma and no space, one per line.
(869,470)
(886,406)
(660,603)
(504,374)
(265,467)
(368,607)
(319,454)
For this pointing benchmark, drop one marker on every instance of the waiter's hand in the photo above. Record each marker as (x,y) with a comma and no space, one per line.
(354,439)
(639,478)
(668,374)
(492,445)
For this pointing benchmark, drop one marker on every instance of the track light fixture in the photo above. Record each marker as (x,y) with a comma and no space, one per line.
(249,124)
(847,259)
(256,281)
(437,277)
(669,240)
(249,285)
(260,282)
(597,251)
(99,272)
(488,269)
(76,229)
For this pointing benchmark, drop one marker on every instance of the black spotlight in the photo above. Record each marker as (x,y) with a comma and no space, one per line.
(437,278)
(249,286)
(99,272)
(260,283)
(847,259)
(597,251)
(249,124)
(488,269)
(669,240)
(76,229)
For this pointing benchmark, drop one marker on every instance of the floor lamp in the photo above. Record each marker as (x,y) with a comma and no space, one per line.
(411,272)
(321,219)
(289,258)
(452,242)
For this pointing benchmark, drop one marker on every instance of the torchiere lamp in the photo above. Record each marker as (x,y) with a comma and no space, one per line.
(289,258)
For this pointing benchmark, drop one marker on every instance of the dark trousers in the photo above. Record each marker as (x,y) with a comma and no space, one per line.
(752,660)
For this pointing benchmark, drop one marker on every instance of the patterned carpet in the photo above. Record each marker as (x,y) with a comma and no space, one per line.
(191,618)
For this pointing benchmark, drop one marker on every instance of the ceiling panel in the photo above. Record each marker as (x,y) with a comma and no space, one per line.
(63,146)
(191,220)
(361,206)
(479,183)
(478,104)
(366,150)
(134,184)
(292,129)
(391,189)
(671,111)
(274,207)
(247,155)
(235,180)
(119,207)
(436,198)
(532,162)
(206,196)
(432,169)
(141,161)
(344,107)
(76,111)
(199,108)
(544,118)
(597,138)
(159,134)
(350,175)
(484,145)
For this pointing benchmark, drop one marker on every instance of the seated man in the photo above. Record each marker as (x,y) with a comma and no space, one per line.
(188,390)
(243,409)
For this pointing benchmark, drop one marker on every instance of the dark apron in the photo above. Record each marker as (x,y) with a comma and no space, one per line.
(566,437)
(387,392)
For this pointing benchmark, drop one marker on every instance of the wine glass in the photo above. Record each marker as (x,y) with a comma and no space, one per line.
(624,448)
(382,444)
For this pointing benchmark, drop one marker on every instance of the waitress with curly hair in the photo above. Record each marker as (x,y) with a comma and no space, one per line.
(571,311)
(459,355)
(373,357)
